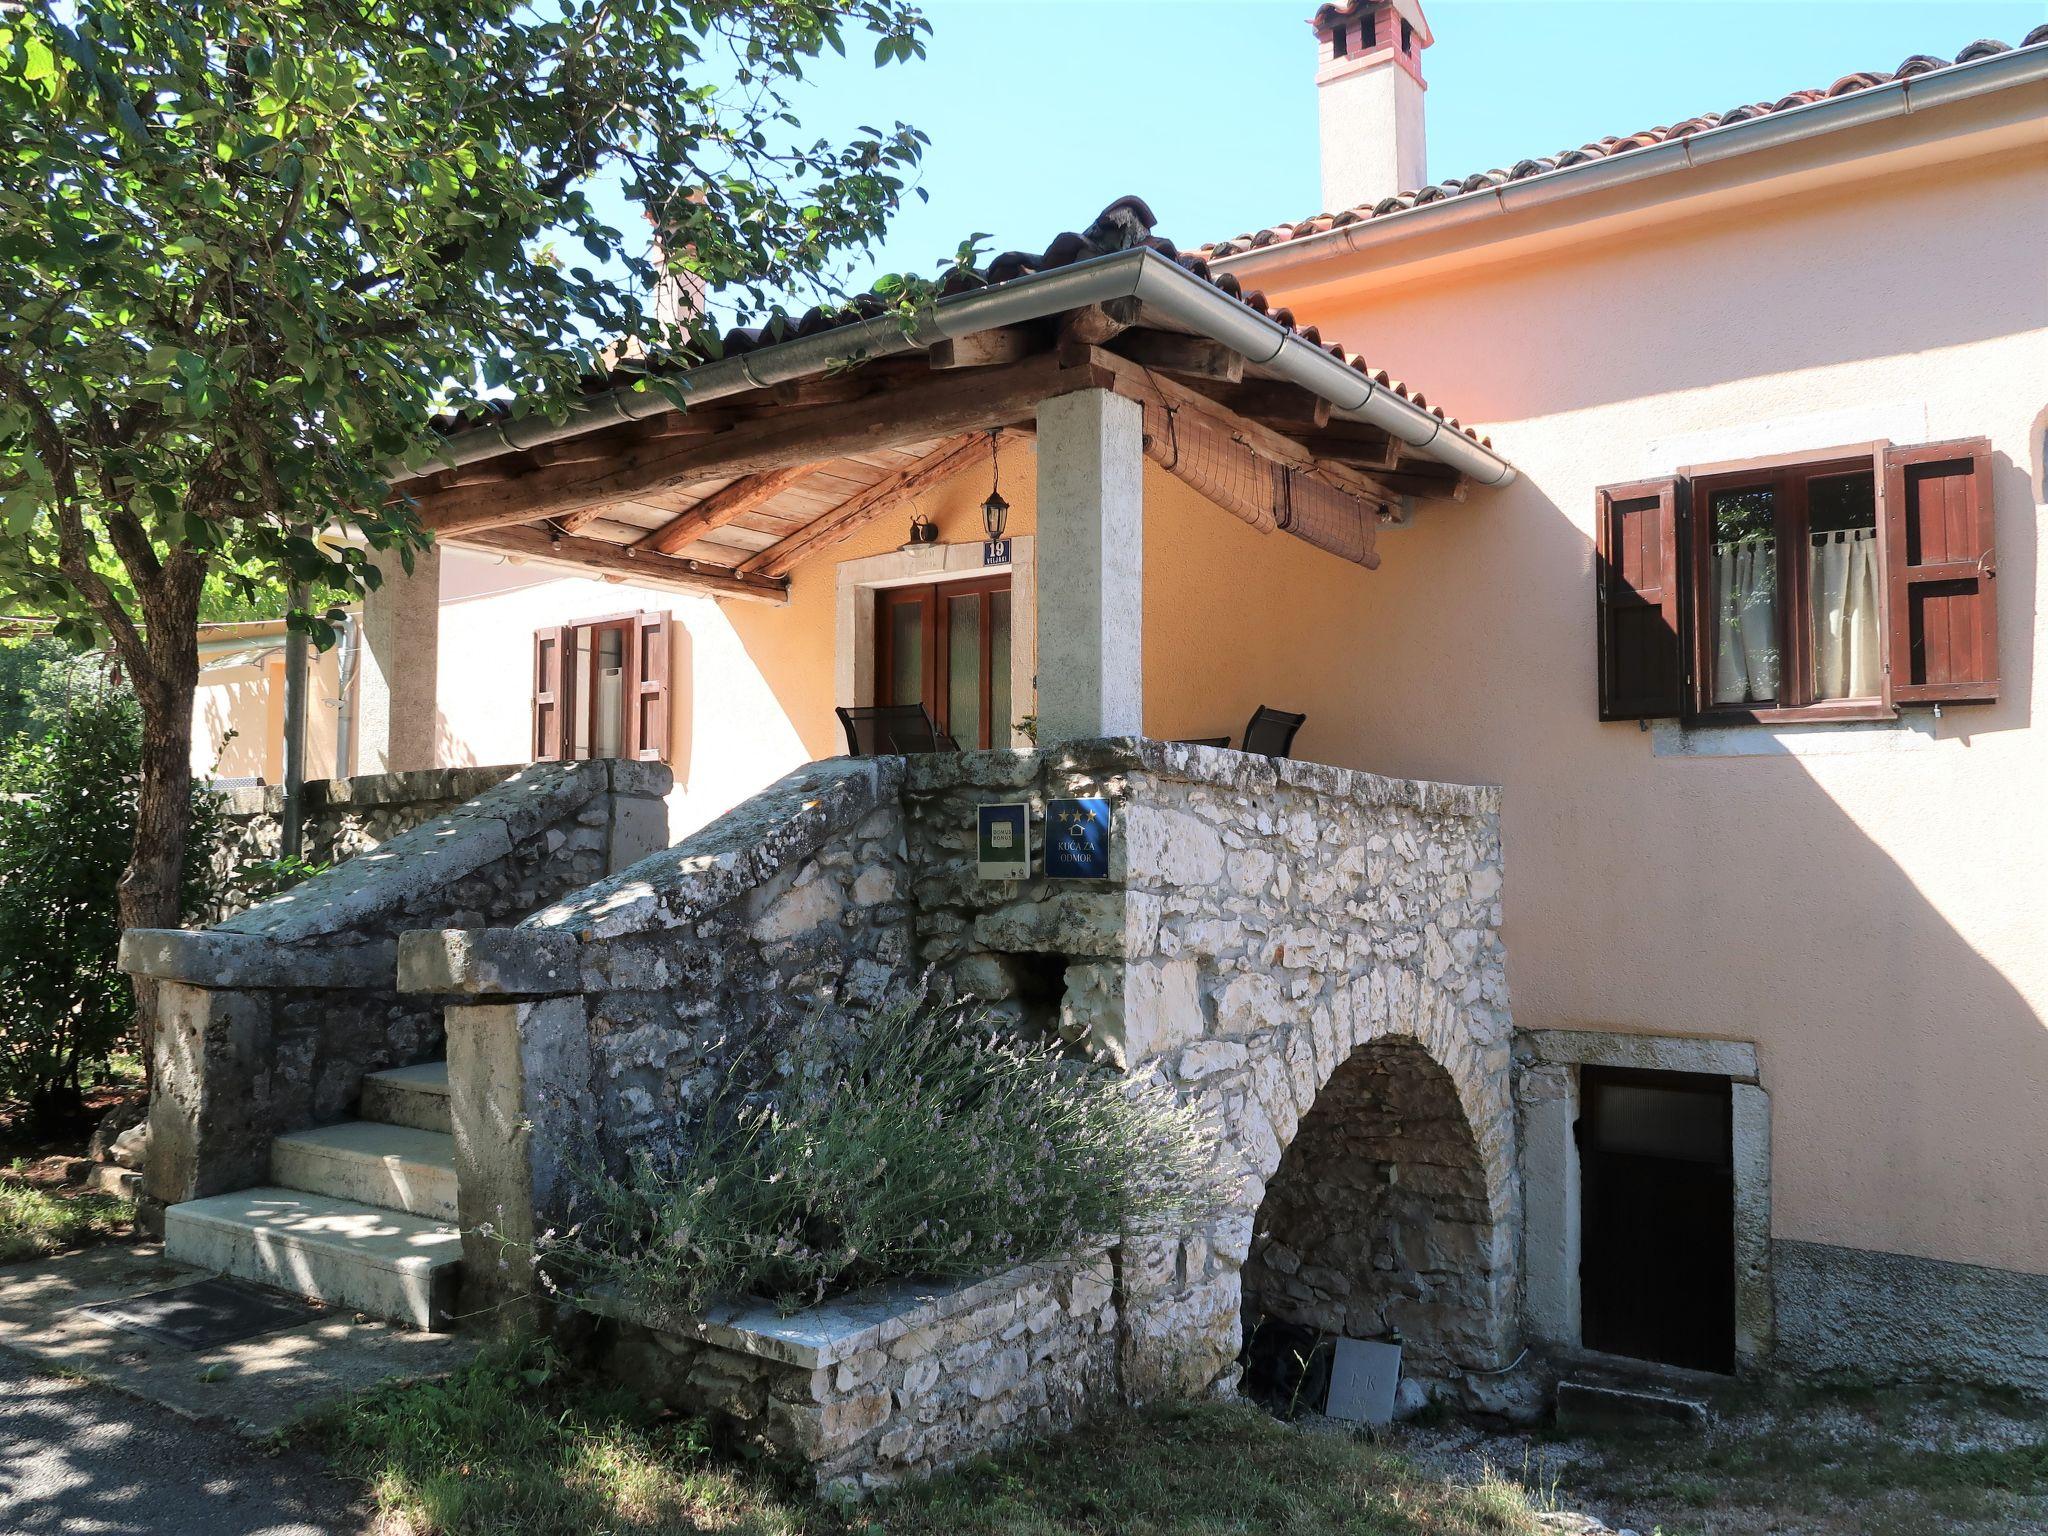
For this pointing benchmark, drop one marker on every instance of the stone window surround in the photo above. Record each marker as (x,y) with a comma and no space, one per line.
(853,650)
(1547,1094)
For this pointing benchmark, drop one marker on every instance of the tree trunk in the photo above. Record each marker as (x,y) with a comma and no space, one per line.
(163,801)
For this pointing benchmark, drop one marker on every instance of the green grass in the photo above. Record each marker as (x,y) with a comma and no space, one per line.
(515,1445)
(35,1222)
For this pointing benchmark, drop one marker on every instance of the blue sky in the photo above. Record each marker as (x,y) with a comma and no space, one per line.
(1042,111)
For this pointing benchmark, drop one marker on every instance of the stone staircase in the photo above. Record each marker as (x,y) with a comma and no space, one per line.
(360,1214)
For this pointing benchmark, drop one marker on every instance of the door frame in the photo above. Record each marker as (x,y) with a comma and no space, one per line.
(1547,1104)
(920,565)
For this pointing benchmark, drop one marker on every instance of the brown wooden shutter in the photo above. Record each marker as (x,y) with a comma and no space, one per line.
(1941,607)
(554,692)
(1638,592)
(647,720)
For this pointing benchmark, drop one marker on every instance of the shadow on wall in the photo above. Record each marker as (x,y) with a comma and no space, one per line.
(1831,908)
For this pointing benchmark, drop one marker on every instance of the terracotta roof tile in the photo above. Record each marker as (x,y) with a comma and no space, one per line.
(1918,64)
(1125,223)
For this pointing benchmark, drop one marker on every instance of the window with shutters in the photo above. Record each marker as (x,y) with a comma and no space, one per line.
(1830,587)
(601,689)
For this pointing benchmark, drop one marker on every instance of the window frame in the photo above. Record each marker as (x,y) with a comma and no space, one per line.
(1787,476)
(575,705)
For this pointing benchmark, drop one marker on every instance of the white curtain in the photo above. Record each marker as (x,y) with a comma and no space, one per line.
(1845,615)
(1746,628)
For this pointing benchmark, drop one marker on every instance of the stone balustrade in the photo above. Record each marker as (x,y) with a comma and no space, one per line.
(268,1022)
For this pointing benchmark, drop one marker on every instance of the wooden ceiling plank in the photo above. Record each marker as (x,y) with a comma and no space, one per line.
(942,463)
(722,507)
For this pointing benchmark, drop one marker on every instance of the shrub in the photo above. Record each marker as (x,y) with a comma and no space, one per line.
(936,1146)
(67,817)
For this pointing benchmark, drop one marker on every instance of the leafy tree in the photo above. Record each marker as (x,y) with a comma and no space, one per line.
(67,817)
(250,253)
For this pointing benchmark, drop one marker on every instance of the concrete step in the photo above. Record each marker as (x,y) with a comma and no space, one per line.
(396,1167)
(381,1262)
(415,1096)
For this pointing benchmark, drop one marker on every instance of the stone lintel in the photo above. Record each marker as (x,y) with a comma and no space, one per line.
(222,960)
(1734,1059)
(489,962)
(832,1331)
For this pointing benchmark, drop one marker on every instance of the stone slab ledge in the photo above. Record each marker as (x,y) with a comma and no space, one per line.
(738,852)
(832,1331)
(1215,767)
(222,960)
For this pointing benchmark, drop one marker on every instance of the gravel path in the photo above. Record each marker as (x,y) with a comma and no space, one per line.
(75,1458)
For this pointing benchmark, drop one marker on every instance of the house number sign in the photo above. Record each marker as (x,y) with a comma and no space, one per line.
(1077,839)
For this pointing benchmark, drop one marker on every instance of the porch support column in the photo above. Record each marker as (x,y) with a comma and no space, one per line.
(1091,527)
(395,694)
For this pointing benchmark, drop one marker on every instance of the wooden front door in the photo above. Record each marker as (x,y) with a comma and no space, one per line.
(947,647)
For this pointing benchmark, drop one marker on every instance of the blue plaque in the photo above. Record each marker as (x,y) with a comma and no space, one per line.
(1077,839)
(995,552)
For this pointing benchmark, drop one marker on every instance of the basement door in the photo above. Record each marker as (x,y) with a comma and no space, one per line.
(947,647)
(1657,1233)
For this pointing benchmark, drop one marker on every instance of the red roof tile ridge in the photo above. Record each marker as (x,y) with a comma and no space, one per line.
(1863,80)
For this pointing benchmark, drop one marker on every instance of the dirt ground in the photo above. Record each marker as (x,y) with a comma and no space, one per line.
(1776,1461)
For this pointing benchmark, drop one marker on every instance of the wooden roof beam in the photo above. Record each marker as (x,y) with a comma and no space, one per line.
(616,562)
(857,511)
(1190,357)
(735,501)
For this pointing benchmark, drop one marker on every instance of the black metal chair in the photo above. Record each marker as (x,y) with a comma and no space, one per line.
(1270,732)
(877,730)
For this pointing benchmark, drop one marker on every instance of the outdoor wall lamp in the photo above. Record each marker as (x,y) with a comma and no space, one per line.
(995,512)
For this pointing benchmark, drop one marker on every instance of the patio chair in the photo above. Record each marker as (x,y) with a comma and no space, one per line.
(1270,732)
(875,730)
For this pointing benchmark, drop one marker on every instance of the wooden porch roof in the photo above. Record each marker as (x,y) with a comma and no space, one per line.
(728,496)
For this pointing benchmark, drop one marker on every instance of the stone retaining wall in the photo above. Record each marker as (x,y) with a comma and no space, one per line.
(898,1381)
(1265,923)
(1262,925)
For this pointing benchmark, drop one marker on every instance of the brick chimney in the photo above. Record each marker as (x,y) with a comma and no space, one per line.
(1369,89)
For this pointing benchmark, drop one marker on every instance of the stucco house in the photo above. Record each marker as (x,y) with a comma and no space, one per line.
(1686,486)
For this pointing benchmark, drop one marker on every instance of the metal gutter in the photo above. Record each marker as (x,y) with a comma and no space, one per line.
(1161,285)
(1897,98)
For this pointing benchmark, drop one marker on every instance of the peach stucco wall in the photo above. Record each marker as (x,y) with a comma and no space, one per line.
(1876,920)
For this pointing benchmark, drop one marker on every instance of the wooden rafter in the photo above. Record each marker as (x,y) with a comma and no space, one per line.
(617,562)
(941,464)
(721,507)
(937,405)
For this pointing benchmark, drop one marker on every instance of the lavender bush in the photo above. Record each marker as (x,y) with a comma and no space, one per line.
(937,1147)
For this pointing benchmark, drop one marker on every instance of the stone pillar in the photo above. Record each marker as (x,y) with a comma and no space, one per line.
(519,1098)
(1755,1310)
(395,692)
(1547,1099)
(1091,532)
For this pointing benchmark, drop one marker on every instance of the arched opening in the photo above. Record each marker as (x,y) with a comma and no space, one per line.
(1376,1224)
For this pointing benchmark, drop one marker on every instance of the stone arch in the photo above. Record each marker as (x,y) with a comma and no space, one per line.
(1380,1131)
